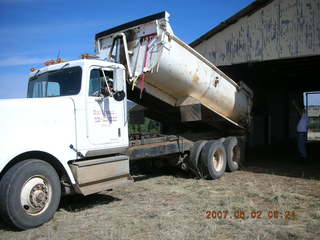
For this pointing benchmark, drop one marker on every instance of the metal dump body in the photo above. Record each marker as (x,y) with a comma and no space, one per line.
(170,70)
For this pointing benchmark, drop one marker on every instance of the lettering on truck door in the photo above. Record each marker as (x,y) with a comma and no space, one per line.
(104,113)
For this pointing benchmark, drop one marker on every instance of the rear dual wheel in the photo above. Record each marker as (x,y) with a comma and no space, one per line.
(213,159)
(210,159)
(233,151)
(195,156)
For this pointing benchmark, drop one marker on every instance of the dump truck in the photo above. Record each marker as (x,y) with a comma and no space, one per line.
(70,135)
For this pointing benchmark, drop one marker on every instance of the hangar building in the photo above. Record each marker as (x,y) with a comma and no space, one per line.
(274,47)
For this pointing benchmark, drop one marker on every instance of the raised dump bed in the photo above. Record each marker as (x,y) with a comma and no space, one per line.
(170,75)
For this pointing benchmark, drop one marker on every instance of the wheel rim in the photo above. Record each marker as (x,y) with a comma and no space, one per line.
(217,160)
(36,195)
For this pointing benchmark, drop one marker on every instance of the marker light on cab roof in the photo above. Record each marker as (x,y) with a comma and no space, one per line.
(88,56)
(51,62)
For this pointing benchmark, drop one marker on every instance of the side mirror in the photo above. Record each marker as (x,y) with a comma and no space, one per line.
(119,84)
(118,81)
(119,96)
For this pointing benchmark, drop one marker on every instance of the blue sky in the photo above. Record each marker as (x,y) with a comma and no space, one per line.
(33,31)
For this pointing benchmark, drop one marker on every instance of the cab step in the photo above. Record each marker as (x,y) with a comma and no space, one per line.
(97,175)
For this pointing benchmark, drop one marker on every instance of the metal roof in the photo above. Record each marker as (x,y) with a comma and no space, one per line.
(247,11)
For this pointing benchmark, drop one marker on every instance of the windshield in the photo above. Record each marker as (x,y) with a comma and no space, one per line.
(62,82)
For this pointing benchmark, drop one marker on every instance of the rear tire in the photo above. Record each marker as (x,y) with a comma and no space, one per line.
(213,158)
(233,152)
(195,155)
(30,193)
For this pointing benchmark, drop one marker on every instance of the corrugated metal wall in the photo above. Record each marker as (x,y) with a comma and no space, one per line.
(281,29)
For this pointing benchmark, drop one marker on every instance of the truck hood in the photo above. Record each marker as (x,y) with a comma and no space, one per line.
(25,111)
(38,124)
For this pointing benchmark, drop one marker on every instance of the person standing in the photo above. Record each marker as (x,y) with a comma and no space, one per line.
(302,131)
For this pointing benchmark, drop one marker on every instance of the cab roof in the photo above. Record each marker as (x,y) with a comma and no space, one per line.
(74,63)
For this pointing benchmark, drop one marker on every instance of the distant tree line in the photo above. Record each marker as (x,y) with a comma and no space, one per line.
(314,124)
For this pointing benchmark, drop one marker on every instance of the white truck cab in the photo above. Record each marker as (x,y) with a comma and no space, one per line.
(74,110)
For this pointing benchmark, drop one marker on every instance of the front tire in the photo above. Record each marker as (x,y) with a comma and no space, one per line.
(30,193)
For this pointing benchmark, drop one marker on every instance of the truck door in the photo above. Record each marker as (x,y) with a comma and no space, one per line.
(105,115)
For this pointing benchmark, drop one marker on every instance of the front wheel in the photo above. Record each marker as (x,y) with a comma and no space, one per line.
(29,194)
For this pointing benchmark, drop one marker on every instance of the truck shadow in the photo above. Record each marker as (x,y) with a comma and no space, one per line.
(4,227)
(283,161)
(76,203)
(141,176)
(145,169)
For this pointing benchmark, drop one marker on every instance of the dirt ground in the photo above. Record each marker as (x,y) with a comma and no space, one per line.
(271,197)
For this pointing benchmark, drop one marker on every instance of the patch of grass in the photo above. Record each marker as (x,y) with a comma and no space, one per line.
(316,215)
(286,234)
(313,227)
(315,204)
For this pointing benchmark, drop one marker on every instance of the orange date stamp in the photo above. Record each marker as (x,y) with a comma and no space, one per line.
(252,214)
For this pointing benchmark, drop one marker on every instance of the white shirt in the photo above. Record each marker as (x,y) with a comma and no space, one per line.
(303,123)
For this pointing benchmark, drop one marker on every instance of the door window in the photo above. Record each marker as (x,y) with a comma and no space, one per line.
(97,83)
